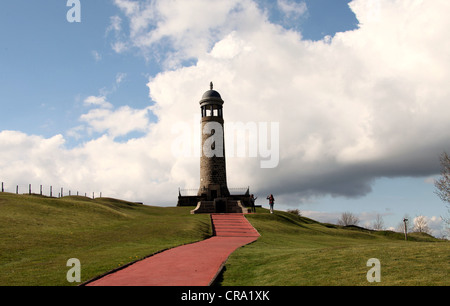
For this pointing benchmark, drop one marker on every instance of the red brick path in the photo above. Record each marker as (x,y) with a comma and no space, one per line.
(195,264)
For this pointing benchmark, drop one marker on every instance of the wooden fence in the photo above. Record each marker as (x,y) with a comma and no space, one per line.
(44,190)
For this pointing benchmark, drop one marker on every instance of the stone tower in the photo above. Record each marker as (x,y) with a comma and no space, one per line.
(213,196)
(213,176)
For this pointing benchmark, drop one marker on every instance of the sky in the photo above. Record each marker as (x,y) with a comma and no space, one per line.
(345,102)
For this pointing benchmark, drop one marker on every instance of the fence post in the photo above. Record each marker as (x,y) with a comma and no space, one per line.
(3,190)
(69,193)
(93,196)
(40,191)
(61,192)
(29,189)
(17,189)
(51,191)
(406,228)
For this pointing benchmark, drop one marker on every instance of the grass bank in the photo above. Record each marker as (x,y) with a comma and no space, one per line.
(39,234)
(297,251)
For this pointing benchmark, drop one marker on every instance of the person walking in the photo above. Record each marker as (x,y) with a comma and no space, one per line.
(252,202)
(271,202)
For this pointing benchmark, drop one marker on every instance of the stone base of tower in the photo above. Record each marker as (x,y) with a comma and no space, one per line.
(220,205)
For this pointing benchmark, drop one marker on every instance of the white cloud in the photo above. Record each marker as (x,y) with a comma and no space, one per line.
(179,30)
(120,77)
(104,119)
(26,159)
(115,24)
(130,7)
(364,104)
(229,47)
(292,8)
(118,122)
(97,56)
(115,27)
(76,132)
(99,101)
(119,46)
(430,180)
(126,170)
(350,109)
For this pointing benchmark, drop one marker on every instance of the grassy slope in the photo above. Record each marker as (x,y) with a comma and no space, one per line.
(38,235)
(299,251)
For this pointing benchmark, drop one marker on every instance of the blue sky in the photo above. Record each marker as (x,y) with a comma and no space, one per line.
(49,65)
(361,86)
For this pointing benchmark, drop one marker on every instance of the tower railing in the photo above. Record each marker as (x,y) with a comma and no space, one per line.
(186,192)
(236,191)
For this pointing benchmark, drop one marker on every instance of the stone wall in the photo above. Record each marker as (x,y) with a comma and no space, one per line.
(220,205)
(213,169)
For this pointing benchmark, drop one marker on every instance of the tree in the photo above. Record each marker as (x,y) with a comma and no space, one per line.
(443,183)
(296,212)
(347,218)
(421,225)
(378,224)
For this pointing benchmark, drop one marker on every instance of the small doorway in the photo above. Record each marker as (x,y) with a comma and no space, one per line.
(221,206)
(213,194)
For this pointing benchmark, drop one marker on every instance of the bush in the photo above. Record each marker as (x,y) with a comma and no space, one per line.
(296,212)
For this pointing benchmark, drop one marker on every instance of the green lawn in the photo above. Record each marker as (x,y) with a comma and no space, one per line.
(296,251)
(39,234)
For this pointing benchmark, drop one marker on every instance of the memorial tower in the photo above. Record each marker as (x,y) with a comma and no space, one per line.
(213,195)
(213,175)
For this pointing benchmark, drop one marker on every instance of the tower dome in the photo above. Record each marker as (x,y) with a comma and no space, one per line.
(211,96)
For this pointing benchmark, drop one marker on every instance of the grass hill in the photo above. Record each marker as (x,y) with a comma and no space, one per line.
(297,251)
(39,234)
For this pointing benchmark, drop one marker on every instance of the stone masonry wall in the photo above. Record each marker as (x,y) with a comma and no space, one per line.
(213,169)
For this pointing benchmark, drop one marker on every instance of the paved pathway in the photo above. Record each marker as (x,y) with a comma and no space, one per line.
(195,264)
